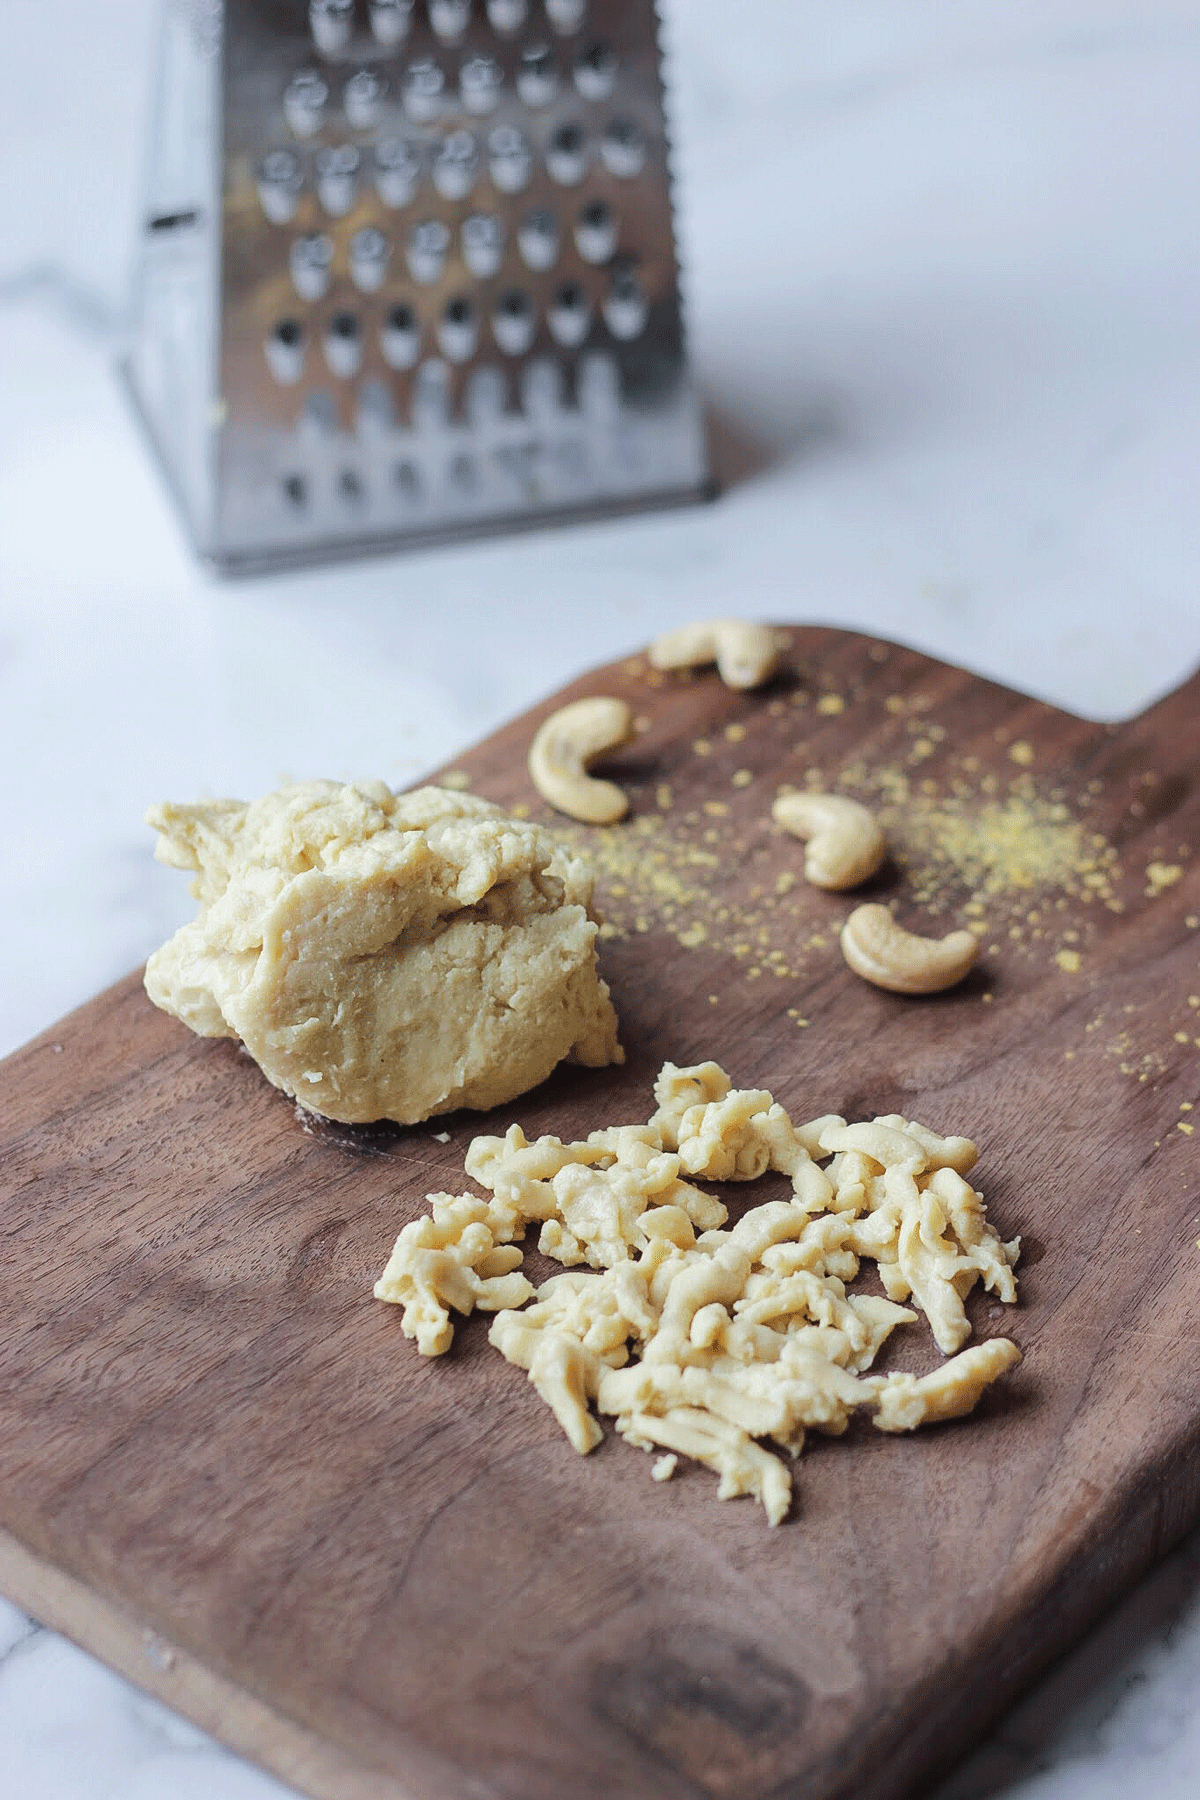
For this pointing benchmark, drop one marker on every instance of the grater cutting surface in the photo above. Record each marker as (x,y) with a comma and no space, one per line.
(440,266)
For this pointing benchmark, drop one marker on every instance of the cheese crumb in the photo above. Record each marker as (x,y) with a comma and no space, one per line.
(1160,876)
(1069,961)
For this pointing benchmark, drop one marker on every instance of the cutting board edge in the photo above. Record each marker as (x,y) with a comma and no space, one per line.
(314,1766)
(1187,685)
(1145,1521)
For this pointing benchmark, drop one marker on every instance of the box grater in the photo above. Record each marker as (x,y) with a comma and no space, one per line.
(409,272)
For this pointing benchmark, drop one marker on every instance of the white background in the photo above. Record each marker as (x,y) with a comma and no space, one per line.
(943,272)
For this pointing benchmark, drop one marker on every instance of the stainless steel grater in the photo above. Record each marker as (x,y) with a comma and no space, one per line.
(409,272)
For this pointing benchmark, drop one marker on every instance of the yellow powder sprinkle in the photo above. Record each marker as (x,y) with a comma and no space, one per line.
(743,777)
(829,704)
(1068,961)
(1185,1106)
(456,778)
(922,747)
(716,809)
(663,797)
(784,883)
(801,1024)
(1161,876)
(1021,752)
(1181,1037)
(1194,999)
(702,747)
(1187,1130)
(735,733)
(693,936)
(714,999)
(1192,921)
(997,847)
(519,809)
(896,703)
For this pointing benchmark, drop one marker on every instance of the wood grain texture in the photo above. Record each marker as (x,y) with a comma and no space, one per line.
(386,1576)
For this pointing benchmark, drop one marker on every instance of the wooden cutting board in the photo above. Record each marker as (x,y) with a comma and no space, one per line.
(226,1472)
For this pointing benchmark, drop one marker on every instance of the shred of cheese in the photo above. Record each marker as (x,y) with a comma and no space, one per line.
(698,1338)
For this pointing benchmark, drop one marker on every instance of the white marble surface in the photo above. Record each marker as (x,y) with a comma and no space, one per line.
(944,277)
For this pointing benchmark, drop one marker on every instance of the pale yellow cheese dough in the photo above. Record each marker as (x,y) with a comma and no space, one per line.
(384,956)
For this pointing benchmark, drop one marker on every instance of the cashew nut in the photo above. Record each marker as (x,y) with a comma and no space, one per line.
(884,953)
(845,843)
(746,655)
(564,745)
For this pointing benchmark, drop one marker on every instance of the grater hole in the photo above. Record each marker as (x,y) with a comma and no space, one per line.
(400,339)
(391,20)
(479,83)
(376,411)
(449,18)
(537,240)
(454,164)
(596,72)
(626,308)
(280,180)
(596,232)
(331,23)
(537,76)
(370,253)
(598,385)
(309,262)
(424,85)
(507,15)
(362,98)
(513,323)
(304,101)
(431,394)
(569,315)
(284,350)
(566,16)
(458,329)
(318,415)
(350,488)
(541,388)
(397,171)
(295,492)
(337,178)
(464,476)
(428,242)
(343,344)
(566,155)
(623,149)
(487,395)
(483,244)
(406,479)
(510,159)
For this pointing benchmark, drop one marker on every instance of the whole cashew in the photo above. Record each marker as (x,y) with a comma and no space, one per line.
(564,745)
(884,953)
(746,655)
(845,843)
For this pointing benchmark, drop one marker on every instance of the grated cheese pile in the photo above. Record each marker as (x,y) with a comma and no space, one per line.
(701,1340)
